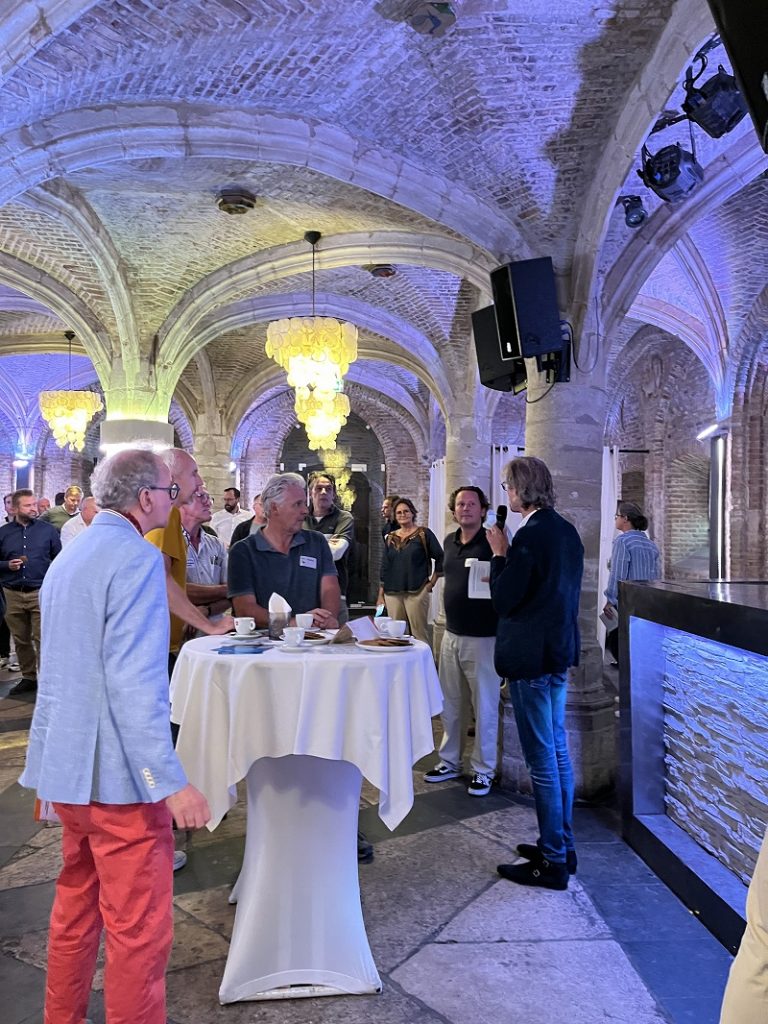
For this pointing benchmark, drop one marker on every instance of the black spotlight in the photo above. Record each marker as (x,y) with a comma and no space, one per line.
(672,173)
(718,106)
(634,211)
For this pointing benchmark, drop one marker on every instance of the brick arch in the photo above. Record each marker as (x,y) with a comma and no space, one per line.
(63,143)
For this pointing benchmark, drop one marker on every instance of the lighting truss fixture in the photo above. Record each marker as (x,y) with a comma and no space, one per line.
(672,173)
(635,213)
(68,413)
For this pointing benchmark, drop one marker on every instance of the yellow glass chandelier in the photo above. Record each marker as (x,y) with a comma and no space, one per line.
(68,413)
(323,414)
(316,352)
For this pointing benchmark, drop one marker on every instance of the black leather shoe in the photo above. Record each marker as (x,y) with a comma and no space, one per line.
(544,875)
(533,853)
(364,850)
(23,686)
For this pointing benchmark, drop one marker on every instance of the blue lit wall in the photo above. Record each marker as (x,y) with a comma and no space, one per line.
(714,719)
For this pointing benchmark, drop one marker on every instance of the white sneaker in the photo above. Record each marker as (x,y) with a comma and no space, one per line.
(179,860)
(13,665)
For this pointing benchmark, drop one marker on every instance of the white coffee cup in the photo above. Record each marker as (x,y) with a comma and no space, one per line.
(245,626)
(382,622)
(396,627)
(293,635)
(305,620)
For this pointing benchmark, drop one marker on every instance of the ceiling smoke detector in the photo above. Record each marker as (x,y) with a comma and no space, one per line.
(380,269)
(431,19)
(235,200)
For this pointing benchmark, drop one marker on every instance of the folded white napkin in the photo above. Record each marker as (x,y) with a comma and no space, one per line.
(279,604)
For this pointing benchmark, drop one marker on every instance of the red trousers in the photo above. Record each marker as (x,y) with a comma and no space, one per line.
(118,877)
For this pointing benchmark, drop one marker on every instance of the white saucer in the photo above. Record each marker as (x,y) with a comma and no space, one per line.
(250,638)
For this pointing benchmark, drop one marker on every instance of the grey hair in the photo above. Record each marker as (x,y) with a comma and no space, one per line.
(171,457)
(117,480)
(275,488)
(532,480)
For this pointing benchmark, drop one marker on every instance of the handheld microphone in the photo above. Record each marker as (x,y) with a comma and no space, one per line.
(501,516)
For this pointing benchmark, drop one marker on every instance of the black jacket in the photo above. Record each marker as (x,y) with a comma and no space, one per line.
(535,592)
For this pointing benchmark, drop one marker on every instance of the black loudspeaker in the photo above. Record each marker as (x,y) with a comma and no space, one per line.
(499,368)
(743,27)
(525,300)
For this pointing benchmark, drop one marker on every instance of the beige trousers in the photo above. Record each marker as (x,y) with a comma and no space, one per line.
(411,608)
(746,994)
(22,615)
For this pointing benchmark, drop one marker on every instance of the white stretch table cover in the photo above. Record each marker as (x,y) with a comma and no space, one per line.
(337,702)
(302,727)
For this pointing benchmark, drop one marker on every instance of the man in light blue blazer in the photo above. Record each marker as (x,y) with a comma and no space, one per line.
(100,749)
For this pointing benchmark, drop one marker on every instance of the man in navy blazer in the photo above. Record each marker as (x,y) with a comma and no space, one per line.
(100,749)
(535,587)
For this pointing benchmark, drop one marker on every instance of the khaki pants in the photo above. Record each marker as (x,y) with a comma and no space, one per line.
(746,994)
(469,680)
(22,614)
(410,608)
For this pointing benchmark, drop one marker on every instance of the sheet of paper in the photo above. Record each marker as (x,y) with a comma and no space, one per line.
(476,588)
(356,629)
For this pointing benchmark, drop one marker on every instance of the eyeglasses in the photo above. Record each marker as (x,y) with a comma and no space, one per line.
(505,485)
(172,491)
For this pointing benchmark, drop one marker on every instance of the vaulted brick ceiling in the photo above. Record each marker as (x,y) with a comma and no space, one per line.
(511,136)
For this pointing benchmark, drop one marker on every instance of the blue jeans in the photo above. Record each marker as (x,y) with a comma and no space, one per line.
(539,706)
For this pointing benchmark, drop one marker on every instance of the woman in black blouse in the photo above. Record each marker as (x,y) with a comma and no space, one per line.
(407,577)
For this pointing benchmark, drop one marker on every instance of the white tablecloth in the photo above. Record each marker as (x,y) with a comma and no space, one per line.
(329,713)
(337,701)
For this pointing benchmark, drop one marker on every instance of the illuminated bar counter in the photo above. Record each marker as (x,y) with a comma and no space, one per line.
(694,739)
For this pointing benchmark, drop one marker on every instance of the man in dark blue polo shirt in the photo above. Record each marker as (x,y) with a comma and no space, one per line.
(467,674)
(27,548)
(282,558)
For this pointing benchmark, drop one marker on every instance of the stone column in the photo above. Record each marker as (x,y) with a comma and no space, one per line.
(467,461)
(213,454)
(566,430)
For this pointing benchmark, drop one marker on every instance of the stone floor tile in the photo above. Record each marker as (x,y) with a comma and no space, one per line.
(515,913)
(233,827)
(9,776)
(25,909)
(32,866)
(210,865)
(193,944)
(644,913)
(506,827)
(193,999)
(211,908)
(706,966)
(693,1010)
(612,863)
(22,989)
(579,982)
(417,883)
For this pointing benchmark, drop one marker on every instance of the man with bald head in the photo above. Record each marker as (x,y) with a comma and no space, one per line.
(171,543)
(77,524)
(100,749)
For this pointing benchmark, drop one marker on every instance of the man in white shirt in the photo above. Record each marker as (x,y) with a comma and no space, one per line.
(225,521)
(80,522)
(206,558)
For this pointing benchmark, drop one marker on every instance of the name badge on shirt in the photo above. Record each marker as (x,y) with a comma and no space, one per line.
(308,562)
(468,562)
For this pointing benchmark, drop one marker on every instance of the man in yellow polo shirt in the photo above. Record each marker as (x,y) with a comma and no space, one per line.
(171,543)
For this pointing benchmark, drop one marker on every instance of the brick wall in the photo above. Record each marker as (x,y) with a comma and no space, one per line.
(686,543)
(716,737)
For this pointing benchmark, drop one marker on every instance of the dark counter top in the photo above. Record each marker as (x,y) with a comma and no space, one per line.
(729,612)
